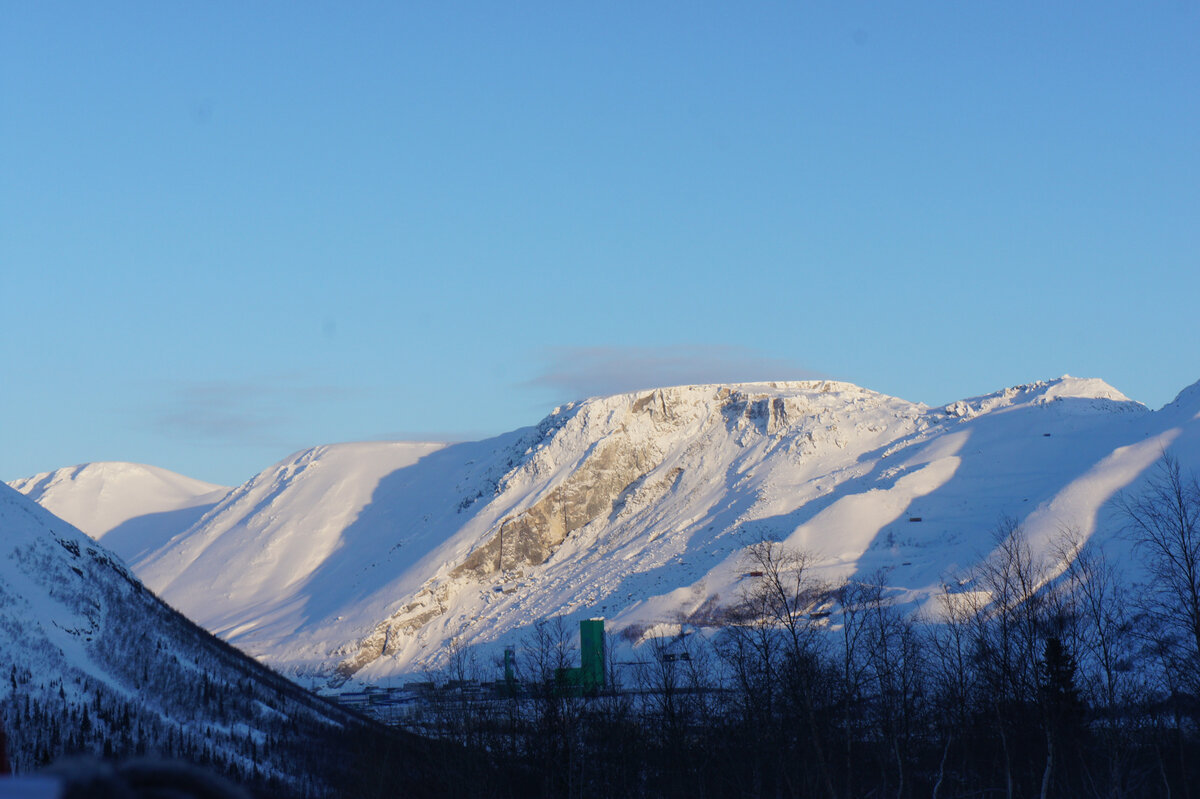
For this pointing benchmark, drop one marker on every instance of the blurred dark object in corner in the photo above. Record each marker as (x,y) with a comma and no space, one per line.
(145,778)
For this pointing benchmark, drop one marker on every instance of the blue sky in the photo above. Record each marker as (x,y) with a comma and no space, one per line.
(232,230)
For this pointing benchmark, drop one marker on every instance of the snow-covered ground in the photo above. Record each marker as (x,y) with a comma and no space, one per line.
(365,560)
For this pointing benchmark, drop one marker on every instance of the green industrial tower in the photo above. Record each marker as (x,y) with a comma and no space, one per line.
(589,677)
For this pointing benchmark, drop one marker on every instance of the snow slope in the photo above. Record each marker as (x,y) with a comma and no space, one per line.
(131,507)
(361,561)
(246,562)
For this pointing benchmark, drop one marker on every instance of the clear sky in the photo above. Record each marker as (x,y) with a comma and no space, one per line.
(232,230)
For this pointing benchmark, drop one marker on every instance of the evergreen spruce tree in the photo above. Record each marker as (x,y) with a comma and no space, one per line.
(1060,695)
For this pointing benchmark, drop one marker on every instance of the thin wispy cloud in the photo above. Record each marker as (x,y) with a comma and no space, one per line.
(431,436)
(240,412)
(579,372)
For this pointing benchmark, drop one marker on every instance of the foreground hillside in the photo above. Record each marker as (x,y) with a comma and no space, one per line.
(365,560)
(94,663)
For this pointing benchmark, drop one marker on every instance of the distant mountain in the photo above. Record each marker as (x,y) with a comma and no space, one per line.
(92,662)
(132,508)
(360,561)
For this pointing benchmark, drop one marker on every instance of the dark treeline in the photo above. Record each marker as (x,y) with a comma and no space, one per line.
(298,756)
(1026,680)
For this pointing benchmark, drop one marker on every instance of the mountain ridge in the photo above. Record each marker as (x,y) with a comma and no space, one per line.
(362,560)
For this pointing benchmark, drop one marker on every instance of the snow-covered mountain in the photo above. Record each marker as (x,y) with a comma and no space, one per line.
(365,560)
(93,662)
(131,507)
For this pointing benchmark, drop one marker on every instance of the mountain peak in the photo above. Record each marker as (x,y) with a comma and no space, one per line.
(682,401)
(1081,388)
(1082,394)
(99,497)
(769,387)
(1186,401)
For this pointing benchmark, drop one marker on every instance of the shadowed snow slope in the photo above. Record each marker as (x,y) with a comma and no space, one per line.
(363,560)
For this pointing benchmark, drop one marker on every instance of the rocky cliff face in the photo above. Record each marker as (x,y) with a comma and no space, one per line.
(600,473)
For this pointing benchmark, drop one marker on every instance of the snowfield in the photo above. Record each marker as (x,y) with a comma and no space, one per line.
(362,561)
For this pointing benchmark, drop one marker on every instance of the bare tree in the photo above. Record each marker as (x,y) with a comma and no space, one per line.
(555,738)
(895,671)
(778,611)
(1112,678)
(1021,614)
(854,600)
(1164,522)
(954,675)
